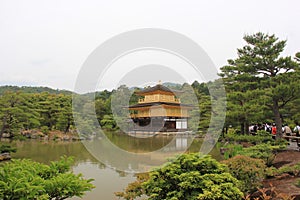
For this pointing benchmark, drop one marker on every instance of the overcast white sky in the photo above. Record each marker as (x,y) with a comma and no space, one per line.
(44,43)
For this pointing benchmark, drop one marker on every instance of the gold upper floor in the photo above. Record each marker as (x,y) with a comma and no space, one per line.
(156,111)
(159,98)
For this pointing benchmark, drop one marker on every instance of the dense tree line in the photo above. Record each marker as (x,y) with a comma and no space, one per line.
(25,111)
(30,89)
(21,109)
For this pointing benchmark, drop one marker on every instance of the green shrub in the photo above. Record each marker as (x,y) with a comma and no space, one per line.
(192,176)
(282,143)
(108,122)
(263,133)
(134,189)
(249,171)
(236,131)
(271,172)
(26,179)
(19,137)
(45,129)
(254,139)
(4,148)
(232,150)
(266,152)
(293,170)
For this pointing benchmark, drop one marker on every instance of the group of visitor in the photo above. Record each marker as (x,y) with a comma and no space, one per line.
(271,128)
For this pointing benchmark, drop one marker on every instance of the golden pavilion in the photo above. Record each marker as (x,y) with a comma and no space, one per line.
(159,110)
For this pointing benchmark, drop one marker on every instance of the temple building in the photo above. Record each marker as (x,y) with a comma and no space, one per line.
(159,110)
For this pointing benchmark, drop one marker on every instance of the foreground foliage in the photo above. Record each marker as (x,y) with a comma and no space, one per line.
(249,171)
(134,189)
(261,137)
(190,176)
(26,179)
(264,151)
(270,193)
(293,170)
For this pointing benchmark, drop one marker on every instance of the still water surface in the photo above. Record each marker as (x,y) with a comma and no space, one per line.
(106,179)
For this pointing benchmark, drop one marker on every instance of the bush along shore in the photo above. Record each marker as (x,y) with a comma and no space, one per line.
(5,152)
(56,135)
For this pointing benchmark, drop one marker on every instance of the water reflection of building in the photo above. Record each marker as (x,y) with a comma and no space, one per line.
(159,110)
(178,144)
(136,158)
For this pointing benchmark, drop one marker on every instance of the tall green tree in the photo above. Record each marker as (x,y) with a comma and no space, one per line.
(64,115)
(202,93)
(244,107)
(292,114)
(120,99)
(297,57)
(17,112)
(48,109)
(260,67)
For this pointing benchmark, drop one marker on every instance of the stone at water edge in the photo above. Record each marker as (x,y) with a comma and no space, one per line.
(5,156)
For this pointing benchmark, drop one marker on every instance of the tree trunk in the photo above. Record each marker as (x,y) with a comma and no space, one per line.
(246,127)
(2,130)
(68,127)
(277,117)
(242,128)
(3,126)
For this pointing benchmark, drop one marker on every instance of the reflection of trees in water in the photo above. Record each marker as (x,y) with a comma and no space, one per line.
(138,145)
(45,152)
(48,151)
(132,154)
(122,173)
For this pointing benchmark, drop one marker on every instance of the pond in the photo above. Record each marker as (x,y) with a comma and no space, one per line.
(111,171)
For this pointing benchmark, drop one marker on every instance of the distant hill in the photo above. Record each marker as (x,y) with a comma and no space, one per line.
(174,86)
(29,89)
(34,89)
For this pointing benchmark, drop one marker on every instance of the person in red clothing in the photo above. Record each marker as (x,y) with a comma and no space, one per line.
(274,129)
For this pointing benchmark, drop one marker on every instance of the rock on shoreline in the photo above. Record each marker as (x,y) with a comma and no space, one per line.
(5,156)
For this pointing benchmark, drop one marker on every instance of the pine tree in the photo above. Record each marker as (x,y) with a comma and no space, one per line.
(261,68)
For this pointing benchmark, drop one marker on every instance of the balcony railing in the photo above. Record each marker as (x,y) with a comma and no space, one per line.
(159,115)
(159,100)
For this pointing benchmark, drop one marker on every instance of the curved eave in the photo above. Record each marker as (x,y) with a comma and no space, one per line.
(143,105)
